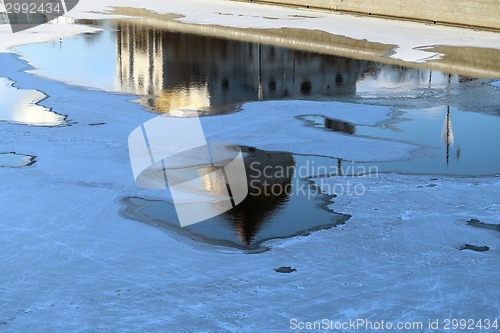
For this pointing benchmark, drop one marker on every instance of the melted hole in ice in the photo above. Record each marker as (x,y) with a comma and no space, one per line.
(478,224)
(281,203)
(20,106)
(285,269)
(329,123)
(13,160)
(473,248)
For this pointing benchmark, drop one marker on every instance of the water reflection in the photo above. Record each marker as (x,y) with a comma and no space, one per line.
(173,70)
(268,192)
(19,106)
(186,70)
(279,204)
(448,136)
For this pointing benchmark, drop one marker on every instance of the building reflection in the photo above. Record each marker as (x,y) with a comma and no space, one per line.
(185,70)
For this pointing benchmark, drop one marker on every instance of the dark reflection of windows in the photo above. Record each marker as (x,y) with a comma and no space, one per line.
(272,53)
(339,80)
(306,87)
(272,85)
(225,84)
(191,70)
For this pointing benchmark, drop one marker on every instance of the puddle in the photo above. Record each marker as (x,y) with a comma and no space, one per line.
(280,204)
(13,160)
(474,248)
(20,106)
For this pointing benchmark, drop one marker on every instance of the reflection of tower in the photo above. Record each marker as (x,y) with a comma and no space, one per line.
(340,172)
(260,93)
(270,179)
(447,135)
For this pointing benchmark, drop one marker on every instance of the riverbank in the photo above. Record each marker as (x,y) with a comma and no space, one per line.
(479,14)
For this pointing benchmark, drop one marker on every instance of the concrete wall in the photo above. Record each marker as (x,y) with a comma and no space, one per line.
(478,13)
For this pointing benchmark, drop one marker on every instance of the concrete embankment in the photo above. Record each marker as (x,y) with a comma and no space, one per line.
(479,13)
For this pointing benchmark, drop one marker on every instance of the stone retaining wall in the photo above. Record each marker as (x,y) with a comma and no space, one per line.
(476,13)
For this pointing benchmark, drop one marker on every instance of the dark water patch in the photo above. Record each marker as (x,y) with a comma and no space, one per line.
(478,224)
(280,204)
(14,160)
(473,248)
(285,269)
(329,123)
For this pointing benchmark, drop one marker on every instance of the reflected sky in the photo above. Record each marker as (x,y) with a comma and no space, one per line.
(19,106)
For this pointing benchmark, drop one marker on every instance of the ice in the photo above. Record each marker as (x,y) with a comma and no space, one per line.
(496,84)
